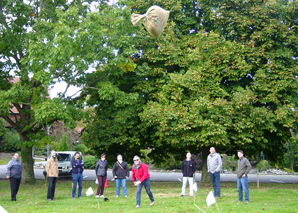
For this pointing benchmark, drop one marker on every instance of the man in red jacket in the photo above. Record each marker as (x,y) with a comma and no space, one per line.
(141,177)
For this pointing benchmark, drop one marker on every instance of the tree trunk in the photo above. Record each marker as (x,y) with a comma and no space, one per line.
(27,165)
(205,175)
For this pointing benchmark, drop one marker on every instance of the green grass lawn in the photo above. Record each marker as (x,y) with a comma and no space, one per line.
(271,198)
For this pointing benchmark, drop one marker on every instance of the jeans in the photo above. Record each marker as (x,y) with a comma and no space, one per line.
(215,179)
(242,184)
(14,187)
(101,184)
(146,184)
(190,183)
(123,182)
(51,187)
(77,178)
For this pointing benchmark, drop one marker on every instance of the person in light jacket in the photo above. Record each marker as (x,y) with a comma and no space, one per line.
(13,172)
(52,173)
(121,174)
(101,168)
(214,164)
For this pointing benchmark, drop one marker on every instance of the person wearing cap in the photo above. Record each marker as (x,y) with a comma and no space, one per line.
(141,177)
(13,172)
(77,174)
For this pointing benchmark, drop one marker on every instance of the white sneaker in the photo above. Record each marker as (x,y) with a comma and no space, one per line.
(117,196)
(125,196)
(97,196)
(102,196)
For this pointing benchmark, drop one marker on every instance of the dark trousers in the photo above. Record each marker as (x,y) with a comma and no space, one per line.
(51,187)
(101,184)
(14,187)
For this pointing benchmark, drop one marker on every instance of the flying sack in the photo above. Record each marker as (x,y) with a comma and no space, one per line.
(155,20)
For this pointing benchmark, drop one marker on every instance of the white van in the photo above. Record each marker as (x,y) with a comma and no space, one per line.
(64,163)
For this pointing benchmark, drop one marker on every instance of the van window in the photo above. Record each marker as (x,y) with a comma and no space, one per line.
(64,157)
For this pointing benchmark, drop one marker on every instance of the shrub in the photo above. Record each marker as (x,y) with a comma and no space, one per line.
(263,165)
(198,160)
(228,162)
(63,146)
(10,142)
(170,162)
(81,148)
(89,162)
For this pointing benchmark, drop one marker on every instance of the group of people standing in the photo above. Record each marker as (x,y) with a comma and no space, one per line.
(140,175)
(214,163)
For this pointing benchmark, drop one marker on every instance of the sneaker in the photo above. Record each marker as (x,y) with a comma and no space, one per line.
(137,206)
(181,195)
(152,203)
(73,198)
(97,196)
(102,196)
(125,195)
(49,200)
(80,197)
(117,195)
(53,199)
(246,202)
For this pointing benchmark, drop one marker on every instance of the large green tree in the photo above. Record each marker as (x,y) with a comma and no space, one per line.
(34,55)
(223,74)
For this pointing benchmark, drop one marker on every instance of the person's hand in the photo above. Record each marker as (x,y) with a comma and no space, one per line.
(243,175)
(137,183)
(115,177)
(7,176)
(126,177)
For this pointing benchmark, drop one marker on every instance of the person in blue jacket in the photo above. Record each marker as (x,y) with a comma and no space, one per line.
(77,174)
(13,172)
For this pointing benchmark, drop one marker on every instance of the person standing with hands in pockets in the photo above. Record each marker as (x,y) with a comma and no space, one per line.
(214,164)
(77,175)
(243,167)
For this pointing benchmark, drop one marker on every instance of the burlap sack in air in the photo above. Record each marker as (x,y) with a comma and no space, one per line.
(155,20)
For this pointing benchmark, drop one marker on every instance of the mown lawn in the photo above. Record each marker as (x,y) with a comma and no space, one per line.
(271,198)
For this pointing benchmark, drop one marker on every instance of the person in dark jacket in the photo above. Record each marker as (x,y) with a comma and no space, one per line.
(77,174)
(243,167)
(188,168)
(101,168)
(121,174)
(13,172)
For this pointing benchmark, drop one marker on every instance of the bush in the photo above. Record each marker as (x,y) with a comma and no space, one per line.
(10,142)
(81,148)
(198,160)
(170,162)
(228,162)
(263,165)
(89,162)
(63,146)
